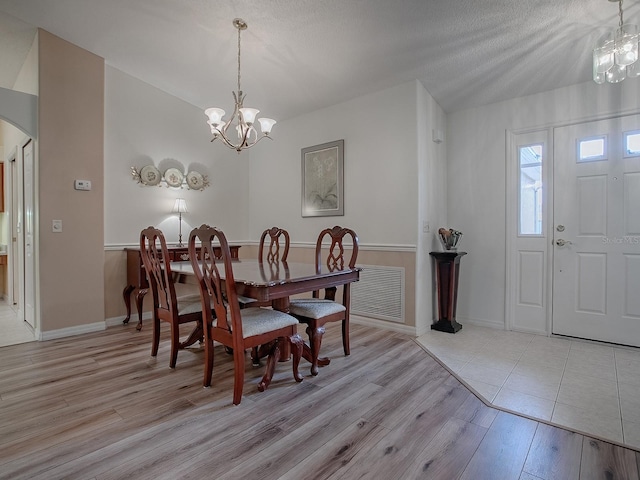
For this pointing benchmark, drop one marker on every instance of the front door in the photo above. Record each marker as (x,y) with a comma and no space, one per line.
(596,231)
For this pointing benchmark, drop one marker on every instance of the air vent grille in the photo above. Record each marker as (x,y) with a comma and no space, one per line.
(379,293)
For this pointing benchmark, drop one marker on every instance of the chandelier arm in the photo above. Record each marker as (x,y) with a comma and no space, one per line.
(240,147)
(243,143)
(264,135)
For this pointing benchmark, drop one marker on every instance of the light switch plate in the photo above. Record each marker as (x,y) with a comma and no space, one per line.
(56,226)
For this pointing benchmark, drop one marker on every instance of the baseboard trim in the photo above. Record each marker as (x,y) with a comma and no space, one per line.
(71,331)
(481,323)
(394,327)
(115,321)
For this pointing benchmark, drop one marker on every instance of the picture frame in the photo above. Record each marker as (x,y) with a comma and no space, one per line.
(323,180)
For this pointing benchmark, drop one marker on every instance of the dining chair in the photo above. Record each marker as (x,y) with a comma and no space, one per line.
(278,238)
(236,328)
(173,304)
(316,312)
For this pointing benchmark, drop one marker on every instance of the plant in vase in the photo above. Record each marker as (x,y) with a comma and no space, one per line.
(449,238)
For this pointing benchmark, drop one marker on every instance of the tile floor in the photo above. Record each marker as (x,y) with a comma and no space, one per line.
(585,386)
(13,331)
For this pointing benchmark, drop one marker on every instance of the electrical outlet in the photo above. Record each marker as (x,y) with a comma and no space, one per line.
(425,227)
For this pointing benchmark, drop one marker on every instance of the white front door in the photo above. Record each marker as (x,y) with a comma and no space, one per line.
(596,231)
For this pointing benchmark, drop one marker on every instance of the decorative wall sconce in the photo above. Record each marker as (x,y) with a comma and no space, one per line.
(150,176)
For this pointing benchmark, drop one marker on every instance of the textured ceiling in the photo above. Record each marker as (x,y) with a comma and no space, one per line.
(302,55)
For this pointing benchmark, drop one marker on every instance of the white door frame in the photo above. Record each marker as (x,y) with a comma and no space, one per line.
(17,275)
(511,199)
(29,232)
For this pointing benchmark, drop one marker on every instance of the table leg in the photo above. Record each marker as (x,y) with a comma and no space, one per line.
(310,353)
(139,299)
(126,294)
(271,364)
(282,304)
(195,336)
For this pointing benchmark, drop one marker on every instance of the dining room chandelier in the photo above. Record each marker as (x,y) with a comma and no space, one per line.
(242,120)
(616,58)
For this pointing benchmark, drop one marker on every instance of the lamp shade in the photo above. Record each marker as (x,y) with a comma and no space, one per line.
(180,206)
(249,115)
(266,124)
(215,116)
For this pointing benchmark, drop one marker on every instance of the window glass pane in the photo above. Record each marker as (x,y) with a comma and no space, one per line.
(591,149)
(632,144)
(530,198)
(531,154)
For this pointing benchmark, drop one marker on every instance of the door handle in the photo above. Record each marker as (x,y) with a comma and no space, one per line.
(561,243)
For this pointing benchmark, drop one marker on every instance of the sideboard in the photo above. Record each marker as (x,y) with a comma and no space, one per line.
(137,277)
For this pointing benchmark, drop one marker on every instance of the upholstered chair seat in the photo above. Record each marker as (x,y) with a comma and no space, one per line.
(315,307)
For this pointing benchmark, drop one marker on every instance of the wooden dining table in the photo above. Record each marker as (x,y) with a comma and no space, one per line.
(275,282)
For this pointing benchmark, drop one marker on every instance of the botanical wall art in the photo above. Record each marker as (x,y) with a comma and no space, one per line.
(322,180)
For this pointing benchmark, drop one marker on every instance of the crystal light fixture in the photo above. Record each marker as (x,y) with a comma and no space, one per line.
(616,58)
(242,119)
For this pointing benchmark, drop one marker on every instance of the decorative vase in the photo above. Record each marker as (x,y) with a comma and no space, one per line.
(449,238)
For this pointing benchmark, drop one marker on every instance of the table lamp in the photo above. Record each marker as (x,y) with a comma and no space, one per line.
(180,207)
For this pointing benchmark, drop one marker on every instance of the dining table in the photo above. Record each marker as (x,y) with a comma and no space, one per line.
(275,282)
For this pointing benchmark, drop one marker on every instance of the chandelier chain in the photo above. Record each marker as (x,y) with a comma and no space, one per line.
(239,30)
(620,13)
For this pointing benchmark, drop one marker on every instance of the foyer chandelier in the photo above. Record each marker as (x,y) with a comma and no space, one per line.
(616,58)
(243,118)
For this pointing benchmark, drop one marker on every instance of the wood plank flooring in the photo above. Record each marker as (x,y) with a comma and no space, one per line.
(98,407)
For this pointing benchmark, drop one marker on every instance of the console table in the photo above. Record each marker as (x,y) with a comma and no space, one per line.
(137,277)
(447,272)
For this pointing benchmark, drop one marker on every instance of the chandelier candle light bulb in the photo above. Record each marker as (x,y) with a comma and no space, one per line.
(243,117)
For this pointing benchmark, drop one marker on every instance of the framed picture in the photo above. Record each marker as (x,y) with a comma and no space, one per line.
(323,180)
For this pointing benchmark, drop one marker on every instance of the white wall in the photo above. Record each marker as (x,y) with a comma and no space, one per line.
(389,159)
(432,208)
(143,126)
(380,177)
(395,179)
(476,178)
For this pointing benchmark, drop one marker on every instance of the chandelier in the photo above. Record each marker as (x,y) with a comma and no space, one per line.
(243,118)
(616,58)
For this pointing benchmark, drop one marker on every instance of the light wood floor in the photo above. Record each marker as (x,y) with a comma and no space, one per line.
(98,407)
